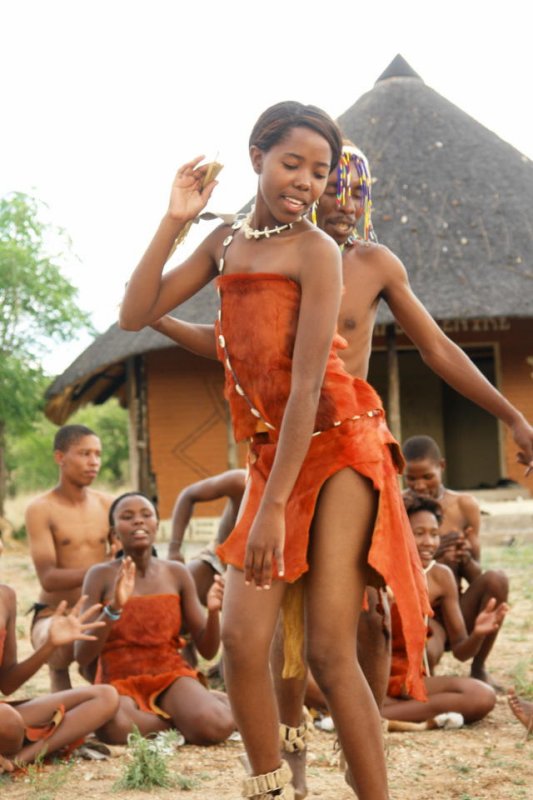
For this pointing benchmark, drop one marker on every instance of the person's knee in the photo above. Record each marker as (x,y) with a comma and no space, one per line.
(324,663)
(108,696)
(11,730)
(482,699)
(243,649)
(496,584)
(212,725)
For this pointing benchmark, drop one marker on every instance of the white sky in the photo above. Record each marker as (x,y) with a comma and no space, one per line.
(102,100)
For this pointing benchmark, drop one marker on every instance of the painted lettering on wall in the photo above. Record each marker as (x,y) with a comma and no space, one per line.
(475,325)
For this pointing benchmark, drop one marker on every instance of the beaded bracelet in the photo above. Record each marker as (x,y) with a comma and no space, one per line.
(113,615)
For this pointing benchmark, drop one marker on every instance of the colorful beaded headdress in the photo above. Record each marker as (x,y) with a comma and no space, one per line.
(352,155)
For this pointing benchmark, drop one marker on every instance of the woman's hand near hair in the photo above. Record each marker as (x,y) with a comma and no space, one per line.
(187,197)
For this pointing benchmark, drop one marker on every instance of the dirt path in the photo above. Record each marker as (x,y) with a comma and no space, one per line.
(488,761)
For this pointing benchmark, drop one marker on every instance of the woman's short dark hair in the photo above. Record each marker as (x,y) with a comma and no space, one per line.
(418,502)
(276,122)
(117,500)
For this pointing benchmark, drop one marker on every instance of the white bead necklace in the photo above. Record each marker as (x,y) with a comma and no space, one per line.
(256,233)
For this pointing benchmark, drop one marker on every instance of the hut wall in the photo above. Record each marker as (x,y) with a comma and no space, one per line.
(516,376)
(503,347)
(187,424)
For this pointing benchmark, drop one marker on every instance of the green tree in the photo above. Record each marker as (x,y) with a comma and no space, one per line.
(37,307)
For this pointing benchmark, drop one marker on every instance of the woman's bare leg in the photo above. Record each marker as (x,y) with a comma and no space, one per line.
(249,618)
(11,730)
(127,717)
(86,710)
(336,581)
(467,696)
(203,717)
(290,693)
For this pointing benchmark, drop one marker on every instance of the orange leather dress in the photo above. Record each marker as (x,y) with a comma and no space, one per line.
(34,733)
(255,335)
(141,655)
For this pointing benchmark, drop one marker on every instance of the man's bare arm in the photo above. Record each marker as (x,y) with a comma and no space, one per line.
(197,339)
(227,484)
(44,554)
(445,358)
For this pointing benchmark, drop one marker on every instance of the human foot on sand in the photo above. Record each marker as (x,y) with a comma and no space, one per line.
(522,709)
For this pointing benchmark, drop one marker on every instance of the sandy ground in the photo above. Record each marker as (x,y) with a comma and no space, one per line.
(488,761)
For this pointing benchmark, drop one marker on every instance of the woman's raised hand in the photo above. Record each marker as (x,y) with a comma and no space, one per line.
(124,584)
(71,627)
(215,594)
(188,195)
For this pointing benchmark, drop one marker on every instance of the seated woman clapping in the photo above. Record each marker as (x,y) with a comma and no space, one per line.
(146,600)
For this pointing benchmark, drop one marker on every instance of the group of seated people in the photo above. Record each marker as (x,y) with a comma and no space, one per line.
(112,605)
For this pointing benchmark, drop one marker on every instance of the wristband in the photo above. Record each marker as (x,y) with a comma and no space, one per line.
(111,613)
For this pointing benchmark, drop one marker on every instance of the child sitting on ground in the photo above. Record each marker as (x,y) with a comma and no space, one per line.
(459,548)
(47,724)
(469,697)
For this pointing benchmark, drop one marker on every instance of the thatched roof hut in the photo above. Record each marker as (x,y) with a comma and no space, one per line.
(451,199)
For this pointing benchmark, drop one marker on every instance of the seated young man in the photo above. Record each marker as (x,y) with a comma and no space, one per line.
(459,547)
(68,533)
(469,697)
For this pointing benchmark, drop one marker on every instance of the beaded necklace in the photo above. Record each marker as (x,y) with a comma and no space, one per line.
(256,233)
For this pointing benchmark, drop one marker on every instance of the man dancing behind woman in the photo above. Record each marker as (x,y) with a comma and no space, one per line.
(323,493)
(138,644)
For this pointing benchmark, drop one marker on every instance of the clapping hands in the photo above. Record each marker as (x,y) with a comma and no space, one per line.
(490,618)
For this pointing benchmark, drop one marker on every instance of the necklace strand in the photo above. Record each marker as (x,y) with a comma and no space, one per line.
(256,233)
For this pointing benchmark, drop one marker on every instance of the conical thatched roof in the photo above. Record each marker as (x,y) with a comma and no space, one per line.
(451,199)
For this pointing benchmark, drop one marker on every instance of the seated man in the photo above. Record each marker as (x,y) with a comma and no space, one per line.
(68,533)
(469,697)
(460,545)
(206,564)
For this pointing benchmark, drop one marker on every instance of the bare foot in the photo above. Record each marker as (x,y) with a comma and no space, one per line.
(5,765)
(522,709)
(296,762)
(482,675)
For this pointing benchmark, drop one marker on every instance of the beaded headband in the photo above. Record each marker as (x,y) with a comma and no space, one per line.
(352,155)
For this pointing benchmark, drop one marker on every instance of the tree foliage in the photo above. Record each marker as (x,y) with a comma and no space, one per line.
(37,308)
